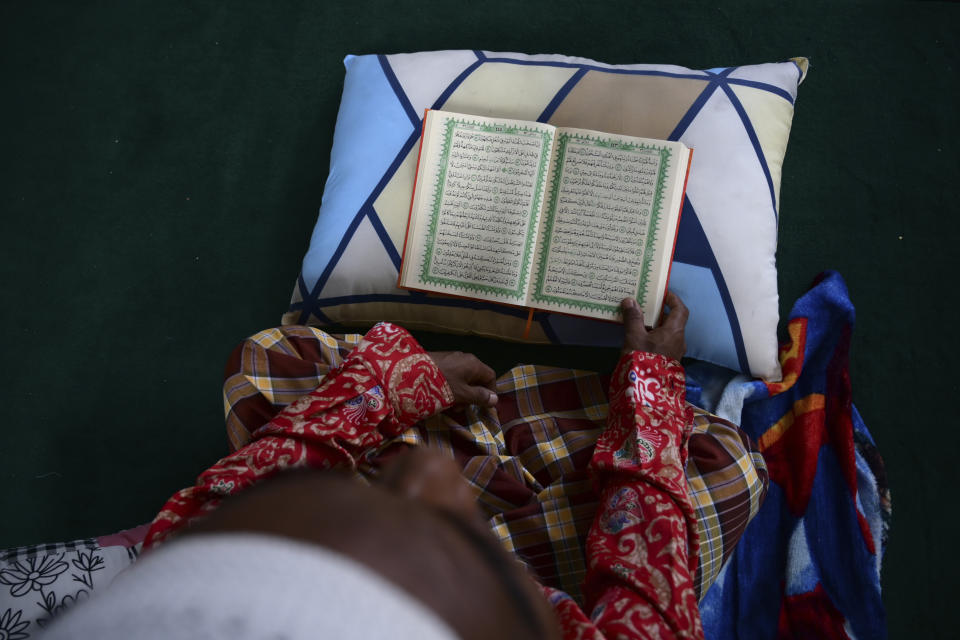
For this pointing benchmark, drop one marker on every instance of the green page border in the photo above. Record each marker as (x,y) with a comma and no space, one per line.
(451,124)
(550,213)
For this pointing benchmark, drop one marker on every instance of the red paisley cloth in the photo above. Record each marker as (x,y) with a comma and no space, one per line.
(387,384)
(642,546)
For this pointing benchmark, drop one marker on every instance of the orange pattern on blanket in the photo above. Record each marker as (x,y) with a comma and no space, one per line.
(806,404)
(791,448)
(791,356)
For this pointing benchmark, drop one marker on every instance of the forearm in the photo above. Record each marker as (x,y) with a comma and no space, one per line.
(384,386)
(641,549)
(271,369)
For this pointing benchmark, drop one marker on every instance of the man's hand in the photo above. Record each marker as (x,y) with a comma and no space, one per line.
(665,339)
(472,381)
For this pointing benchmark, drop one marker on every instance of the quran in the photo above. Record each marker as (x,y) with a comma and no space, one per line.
(549,218)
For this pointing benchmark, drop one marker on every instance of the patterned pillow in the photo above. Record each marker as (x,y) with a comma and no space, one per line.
(737,120)
(40,582)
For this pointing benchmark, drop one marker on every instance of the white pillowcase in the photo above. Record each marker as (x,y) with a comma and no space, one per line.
(737,120)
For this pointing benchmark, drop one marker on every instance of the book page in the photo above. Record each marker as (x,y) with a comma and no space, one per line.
(476,206)
(603,224)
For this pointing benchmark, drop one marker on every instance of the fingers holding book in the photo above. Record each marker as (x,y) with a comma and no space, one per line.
(667,338)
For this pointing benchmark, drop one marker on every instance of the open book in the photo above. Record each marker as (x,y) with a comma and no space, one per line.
(532,215)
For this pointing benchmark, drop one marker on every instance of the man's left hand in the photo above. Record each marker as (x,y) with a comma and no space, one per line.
(472,381)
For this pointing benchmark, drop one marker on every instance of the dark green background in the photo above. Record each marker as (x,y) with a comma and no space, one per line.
(162,165)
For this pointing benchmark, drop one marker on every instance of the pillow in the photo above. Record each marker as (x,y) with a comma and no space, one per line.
(737,120)
(40,582)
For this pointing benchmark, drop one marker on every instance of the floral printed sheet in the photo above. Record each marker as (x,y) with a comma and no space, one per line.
(39,582)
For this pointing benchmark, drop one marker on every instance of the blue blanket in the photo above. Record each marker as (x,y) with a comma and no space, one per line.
(809,563)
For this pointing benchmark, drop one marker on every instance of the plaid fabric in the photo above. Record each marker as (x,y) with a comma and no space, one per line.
(527,458)
(32,551)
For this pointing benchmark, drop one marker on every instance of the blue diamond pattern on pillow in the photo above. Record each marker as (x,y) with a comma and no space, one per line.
(737,120)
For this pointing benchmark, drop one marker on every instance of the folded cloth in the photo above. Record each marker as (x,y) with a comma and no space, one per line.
(809,563)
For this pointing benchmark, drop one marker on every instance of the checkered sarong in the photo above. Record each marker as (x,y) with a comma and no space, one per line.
(527,458)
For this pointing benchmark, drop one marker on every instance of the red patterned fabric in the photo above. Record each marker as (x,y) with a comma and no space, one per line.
(641,549)
(642,546)
(385,385)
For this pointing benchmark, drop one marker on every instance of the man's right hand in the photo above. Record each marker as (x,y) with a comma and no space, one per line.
(471,381)
(666,338)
